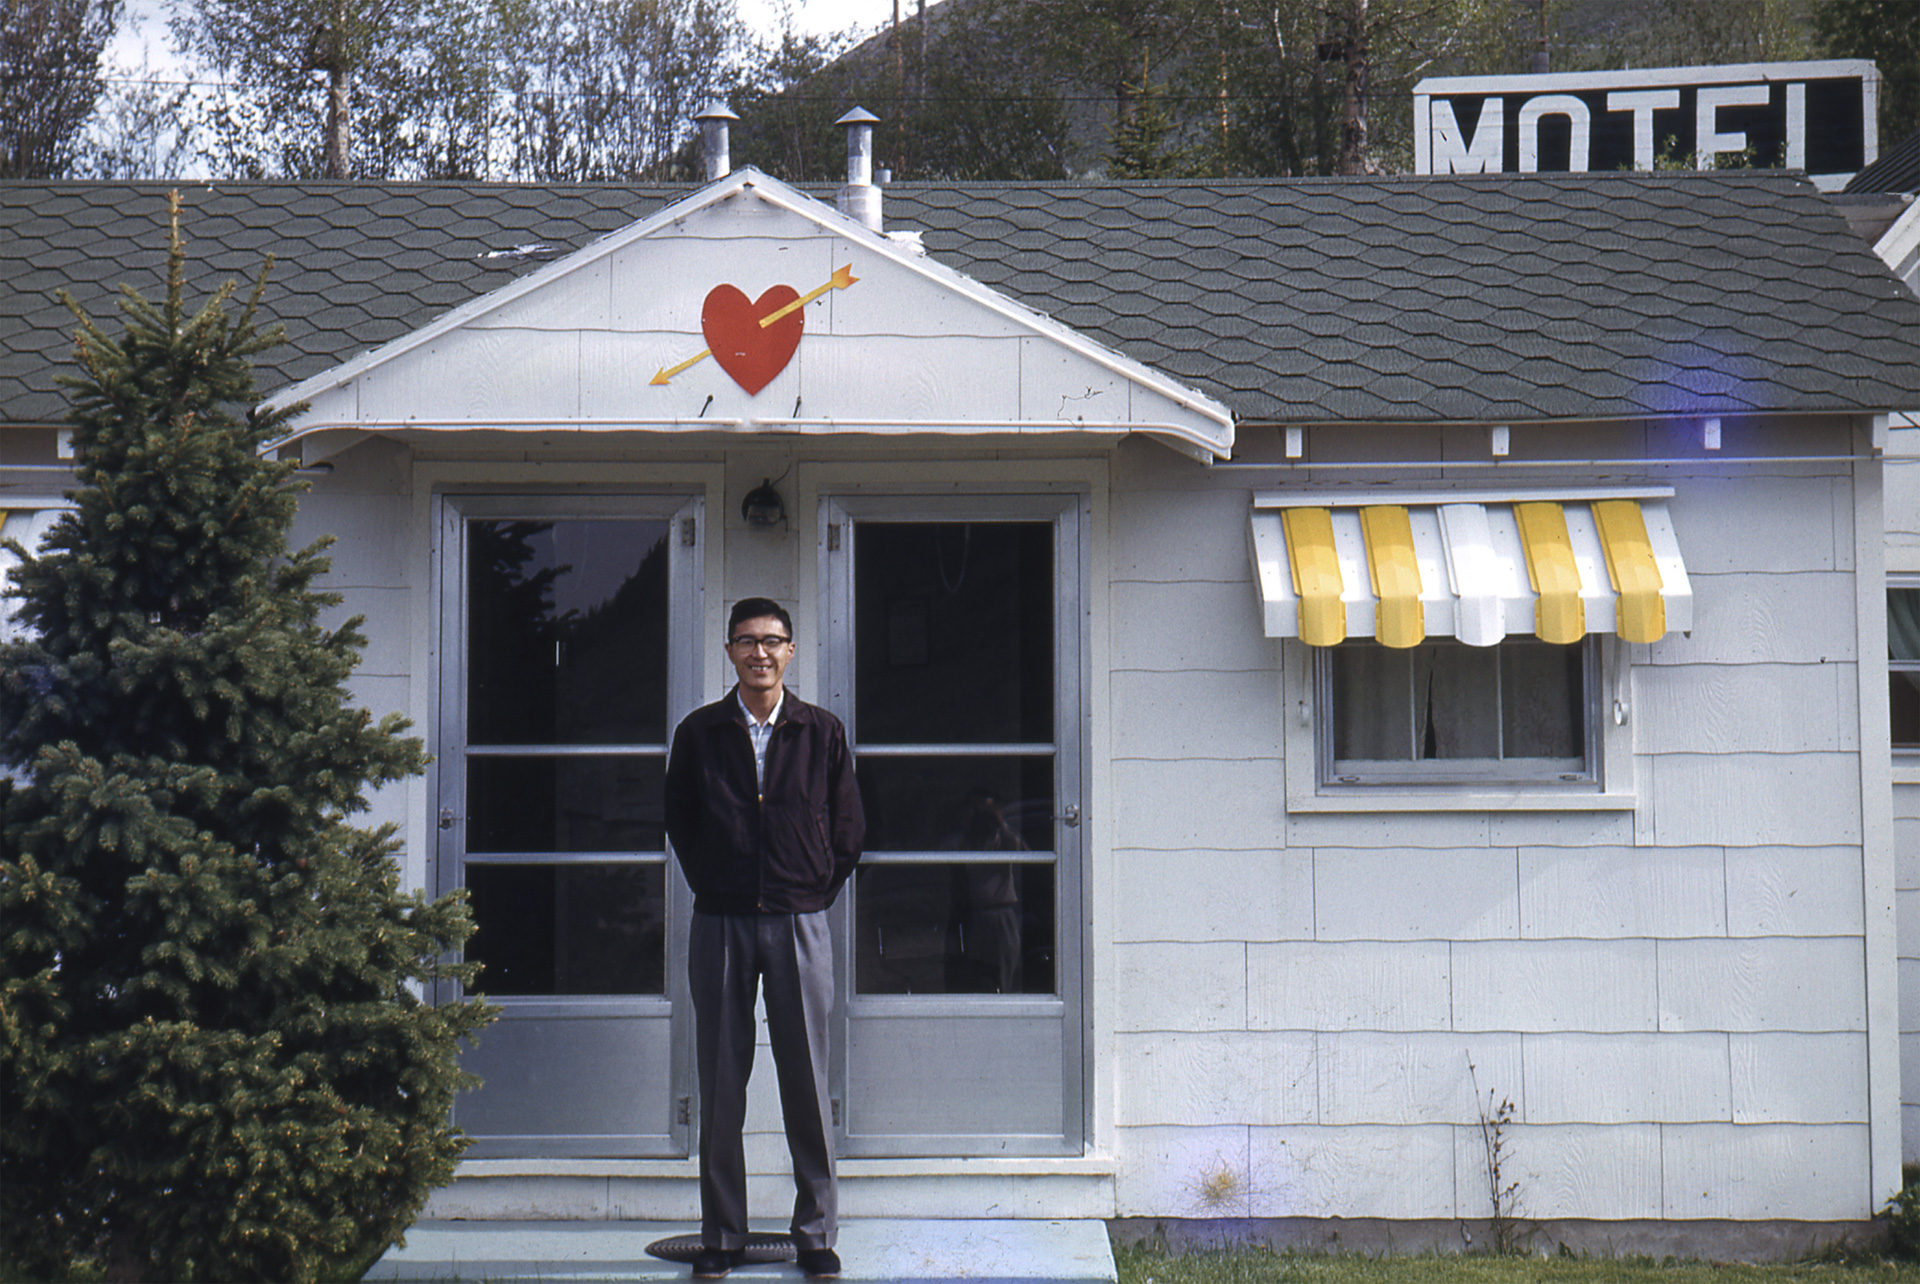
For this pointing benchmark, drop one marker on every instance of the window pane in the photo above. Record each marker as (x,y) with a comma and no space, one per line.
(924,804)
(954,929)
(1372,702)
(1456,701)
(593,804)
(1903,624)
(1543,700)
(1446,702)
(569,929)
(567,632)
(1903,688)
(953,632)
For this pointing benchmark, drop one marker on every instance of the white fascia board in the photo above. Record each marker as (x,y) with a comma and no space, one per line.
(1332,498)
(1206,446)
(1900,243)
(1740,73)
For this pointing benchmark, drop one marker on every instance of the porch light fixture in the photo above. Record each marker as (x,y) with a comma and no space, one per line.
(763,506)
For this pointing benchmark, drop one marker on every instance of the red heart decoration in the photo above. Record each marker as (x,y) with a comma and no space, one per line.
(753,354)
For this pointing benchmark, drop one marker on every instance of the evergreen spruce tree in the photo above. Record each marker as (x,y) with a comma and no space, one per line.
(215,1058)
(1143,140)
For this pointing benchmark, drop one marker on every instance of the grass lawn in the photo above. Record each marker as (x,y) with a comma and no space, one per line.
(1263,1266)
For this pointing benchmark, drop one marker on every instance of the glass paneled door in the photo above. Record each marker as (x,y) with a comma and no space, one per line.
(566,639)
(954,656)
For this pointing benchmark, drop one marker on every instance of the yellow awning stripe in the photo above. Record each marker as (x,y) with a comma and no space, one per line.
(1316,575)
(1559,615)
(1399,619)
(1636,578)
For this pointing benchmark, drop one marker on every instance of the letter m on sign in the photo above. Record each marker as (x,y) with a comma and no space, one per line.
(1451,152)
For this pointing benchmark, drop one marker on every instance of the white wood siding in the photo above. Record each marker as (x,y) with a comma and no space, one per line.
(1674,999)
(364,507)
(1906,837)
(1287,1005)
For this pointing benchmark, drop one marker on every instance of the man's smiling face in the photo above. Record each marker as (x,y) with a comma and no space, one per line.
(760,663)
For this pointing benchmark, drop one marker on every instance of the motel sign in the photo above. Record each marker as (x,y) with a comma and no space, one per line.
(1814,116)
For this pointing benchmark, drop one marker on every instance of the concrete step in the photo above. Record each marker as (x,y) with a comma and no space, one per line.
(871,1249)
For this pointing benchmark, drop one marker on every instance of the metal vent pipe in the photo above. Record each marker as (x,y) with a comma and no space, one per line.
(860,199)
(714,142)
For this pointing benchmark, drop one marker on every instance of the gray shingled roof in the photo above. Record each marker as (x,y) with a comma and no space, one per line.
(1897,170)
(1485,298)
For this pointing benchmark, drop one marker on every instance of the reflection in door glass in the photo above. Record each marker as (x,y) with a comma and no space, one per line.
(962,928)
(568,928)
(567,632)
(953,640)
(958,803)
(592,803)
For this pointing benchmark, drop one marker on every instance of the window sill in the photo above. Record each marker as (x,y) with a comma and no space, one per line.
(1906,768)
(1364,799)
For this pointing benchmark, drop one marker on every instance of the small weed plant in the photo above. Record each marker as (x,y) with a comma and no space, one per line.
(1506,1236)
(1903,1216)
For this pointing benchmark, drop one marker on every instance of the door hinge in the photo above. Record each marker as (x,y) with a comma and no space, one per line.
(687,532)
(836,1111)
(686,1110)
(833,537)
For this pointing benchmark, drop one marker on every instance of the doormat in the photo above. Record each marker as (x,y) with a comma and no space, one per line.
(759,1248)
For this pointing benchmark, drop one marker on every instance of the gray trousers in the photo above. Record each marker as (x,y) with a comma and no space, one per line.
(729,956)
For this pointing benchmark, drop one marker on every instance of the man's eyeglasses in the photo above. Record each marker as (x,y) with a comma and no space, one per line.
(770,643)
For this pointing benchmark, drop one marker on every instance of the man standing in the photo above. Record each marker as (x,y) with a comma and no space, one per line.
(764,816)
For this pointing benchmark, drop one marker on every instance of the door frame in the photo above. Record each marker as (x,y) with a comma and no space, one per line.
(1069,510)
(684,509)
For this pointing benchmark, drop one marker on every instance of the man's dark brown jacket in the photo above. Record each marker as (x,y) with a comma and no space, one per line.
(783,846)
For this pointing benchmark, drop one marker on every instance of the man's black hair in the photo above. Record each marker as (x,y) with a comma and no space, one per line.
(753,608)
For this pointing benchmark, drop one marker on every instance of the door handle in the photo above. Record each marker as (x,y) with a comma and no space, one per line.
(1069,815)
(447,818)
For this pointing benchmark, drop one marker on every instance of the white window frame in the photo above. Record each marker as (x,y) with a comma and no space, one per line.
(1424,773)
(1606,785)
(29,519)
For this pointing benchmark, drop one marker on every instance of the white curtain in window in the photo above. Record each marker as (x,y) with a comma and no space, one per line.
(1456,691)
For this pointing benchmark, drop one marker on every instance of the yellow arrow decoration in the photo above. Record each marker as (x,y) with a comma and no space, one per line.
(842,278)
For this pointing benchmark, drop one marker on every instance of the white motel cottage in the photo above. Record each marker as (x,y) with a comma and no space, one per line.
(1326,658)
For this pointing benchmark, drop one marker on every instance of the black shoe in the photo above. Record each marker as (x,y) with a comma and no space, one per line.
(714,1263)
(820,1263)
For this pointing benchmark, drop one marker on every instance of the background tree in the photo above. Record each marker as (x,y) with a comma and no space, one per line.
(214,1060)
(1142,143)
(1887,31)
(298,74)
(1586,35)
(604,90)
(142,128)
(956,93)
(50,80)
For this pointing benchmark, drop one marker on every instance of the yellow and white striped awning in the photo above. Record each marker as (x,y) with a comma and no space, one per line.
(1477,566)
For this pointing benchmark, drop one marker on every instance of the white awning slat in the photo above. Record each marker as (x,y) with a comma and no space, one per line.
(1474,573)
